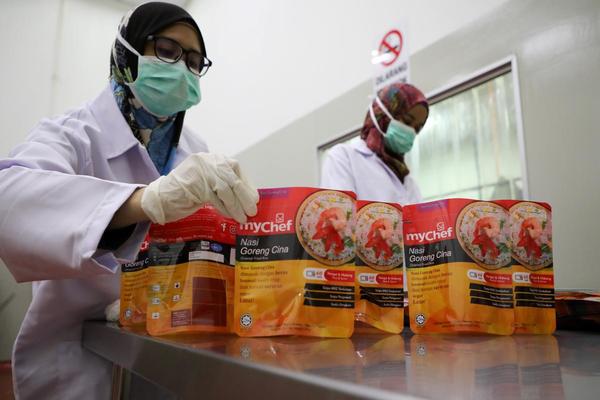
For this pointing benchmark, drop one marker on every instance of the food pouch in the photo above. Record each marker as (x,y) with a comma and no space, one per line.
(134,284)
(533,272)
(191,274)
(379,291)
(458,264)
(295,265)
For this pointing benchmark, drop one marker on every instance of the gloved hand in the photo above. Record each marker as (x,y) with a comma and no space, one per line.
(111,312)
(200,178)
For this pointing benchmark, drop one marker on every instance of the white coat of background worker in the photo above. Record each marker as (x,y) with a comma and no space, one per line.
(373,166)
(77,198)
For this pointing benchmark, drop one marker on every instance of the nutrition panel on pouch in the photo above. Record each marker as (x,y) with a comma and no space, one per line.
(191,274)
(134,283)
(295,265)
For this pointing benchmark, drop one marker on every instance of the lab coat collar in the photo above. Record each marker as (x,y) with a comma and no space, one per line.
(112,123)
(361,146)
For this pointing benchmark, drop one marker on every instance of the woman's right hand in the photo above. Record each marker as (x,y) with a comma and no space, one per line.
(201,178)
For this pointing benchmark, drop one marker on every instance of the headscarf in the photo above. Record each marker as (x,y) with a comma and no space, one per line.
(398,98)
(160,136)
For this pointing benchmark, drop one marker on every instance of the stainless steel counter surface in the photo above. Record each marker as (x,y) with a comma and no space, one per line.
(366,366)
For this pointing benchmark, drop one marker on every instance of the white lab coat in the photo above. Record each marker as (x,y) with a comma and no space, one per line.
(353,166)
(58,192)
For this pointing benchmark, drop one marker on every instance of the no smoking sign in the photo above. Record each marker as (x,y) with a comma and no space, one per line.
(390,58)
(391,45)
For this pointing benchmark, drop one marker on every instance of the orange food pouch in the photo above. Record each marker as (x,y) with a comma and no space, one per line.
(533,272)
(191,274)
(295,265)
(134,283)
(458,264)
(379,291)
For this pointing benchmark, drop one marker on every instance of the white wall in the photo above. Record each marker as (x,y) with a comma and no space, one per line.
(58,55)
(27,66)
(277,60)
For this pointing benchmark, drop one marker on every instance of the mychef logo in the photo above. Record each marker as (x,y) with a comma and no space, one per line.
(440,232)
(268,226)
(279,218)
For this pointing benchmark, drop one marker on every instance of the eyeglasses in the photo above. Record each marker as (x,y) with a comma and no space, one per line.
(169,51)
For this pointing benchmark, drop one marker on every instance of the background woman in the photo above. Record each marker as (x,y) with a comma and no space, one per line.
(373,165)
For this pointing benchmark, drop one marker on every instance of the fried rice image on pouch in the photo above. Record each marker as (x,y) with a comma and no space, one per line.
(531,232)
(324,226)
(483,232)
(379,238)
(331,222)
(486,229)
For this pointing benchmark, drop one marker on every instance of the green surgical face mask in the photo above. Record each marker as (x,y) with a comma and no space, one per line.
(163,89)
(398,136)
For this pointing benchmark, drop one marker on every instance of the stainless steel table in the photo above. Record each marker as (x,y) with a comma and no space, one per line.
(366,366)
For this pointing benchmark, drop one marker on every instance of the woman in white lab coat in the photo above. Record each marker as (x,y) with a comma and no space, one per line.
(373,165)
(77,198)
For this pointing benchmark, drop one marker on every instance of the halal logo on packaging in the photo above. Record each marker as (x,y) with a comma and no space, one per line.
(420,320)
(246,320)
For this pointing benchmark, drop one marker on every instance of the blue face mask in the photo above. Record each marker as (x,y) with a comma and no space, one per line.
(398,137)
(163,89)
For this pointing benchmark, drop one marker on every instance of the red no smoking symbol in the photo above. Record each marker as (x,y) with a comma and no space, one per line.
(391,43)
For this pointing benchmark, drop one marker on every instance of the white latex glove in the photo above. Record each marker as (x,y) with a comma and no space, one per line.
(112,311)
(201,178)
